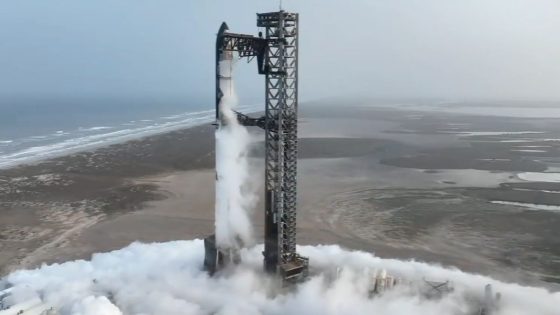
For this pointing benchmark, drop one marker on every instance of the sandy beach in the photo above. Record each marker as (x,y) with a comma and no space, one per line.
(401,184)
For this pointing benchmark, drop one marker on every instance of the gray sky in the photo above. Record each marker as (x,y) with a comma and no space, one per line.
(397,48)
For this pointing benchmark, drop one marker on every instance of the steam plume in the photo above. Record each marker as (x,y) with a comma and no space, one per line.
(167,278)
(234,198)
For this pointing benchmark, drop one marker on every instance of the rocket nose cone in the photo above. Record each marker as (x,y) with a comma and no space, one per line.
(224,27)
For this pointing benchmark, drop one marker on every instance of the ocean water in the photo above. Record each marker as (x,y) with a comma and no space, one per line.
(550,110)
(35,130)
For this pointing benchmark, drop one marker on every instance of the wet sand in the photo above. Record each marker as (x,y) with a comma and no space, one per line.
(407,185)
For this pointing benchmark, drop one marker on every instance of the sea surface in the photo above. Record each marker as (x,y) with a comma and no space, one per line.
(498,109)
(32,131)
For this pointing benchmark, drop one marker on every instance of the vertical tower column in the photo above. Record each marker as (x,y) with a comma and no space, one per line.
(281,31)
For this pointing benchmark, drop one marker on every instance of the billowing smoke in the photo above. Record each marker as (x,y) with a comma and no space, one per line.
(234,196)
(167,278)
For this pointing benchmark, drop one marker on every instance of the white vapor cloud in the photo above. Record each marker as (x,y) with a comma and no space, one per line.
(234,196)
(167,278)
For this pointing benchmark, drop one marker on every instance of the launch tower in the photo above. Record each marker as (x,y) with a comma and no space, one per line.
(276,51)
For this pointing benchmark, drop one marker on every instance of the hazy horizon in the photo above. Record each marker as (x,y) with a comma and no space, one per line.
(380,49)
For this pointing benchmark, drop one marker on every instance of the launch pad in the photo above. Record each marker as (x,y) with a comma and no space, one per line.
(276,51)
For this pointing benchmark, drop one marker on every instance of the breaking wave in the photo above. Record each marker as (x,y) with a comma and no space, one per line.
(34,148)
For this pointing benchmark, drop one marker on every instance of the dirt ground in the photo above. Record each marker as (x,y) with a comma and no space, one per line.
(402,184)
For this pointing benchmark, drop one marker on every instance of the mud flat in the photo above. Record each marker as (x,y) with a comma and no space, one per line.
(46,205)
(404,184)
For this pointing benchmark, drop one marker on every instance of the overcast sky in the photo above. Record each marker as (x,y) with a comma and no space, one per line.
(379,48)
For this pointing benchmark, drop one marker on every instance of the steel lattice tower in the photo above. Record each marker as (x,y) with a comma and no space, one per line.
(277,58)
(281,31)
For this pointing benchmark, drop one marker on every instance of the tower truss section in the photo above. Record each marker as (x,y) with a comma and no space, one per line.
(281,109)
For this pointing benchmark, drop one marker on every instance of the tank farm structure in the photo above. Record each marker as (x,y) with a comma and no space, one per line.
(276,52)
